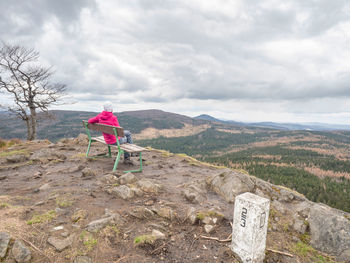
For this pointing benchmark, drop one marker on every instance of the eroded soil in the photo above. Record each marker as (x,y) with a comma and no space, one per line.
(53,190)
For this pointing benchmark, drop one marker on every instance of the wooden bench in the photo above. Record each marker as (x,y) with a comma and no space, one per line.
(116,131)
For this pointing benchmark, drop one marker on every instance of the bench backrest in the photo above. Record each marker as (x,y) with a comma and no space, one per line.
(104,128)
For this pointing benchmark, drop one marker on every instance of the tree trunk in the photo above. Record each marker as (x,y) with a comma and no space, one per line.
(29,130)
(33,122)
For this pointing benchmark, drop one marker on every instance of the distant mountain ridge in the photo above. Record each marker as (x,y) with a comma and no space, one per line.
(67,123)
(280,126)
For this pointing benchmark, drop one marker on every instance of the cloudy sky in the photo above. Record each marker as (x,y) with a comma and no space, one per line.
(244,60)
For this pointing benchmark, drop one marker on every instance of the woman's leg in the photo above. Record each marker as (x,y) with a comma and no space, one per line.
(126,139)
(127,134)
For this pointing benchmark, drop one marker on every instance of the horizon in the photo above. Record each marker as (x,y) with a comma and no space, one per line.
(251,61)
(198,115)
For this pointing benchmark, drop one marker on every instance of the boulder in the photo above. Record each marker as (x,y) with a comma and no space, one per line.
(148,186)
(4,244)
(82,139)
(166,212)
(229,184)
(20,252)
(109,179)
(17,158)
(60,244)
(98,224)
(141,212)
(299,226)
(127,178)
(288,195)
(195,192)
(330,231)
(123,192)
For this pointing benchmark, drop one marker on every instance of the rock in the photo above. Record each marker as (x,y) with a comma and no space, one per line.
(210,217)
(44,187)
(82,139)
(109,179)
(148,186)
(98,224)
(303,208)
(42,155)
(150,238)
(229,184)
(57,228)
(127,178)
(195,192)
(4,244)
(299,226)
(78,215)
(278,206)
(123,192)
(87,172)
(167,213)
(330,230)
(82,259)
(157,234)
(288,195)
(60,244)
(208,228)
(76,168)
(37,175)
(59,156)
(64,234)
(191,215)
(20,252)
(141,212)
(17,158)
(207,220)
(137,191)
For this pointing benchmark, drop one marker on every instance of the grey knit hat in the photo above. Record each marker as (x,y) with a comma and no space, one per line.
(108,106)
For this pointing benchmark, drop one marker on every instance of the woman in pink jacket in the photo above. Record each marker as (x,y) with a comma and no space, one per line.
(107,117)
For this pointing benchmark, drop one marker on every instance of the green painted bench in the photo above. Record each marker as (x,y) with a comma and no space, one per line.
(116,131)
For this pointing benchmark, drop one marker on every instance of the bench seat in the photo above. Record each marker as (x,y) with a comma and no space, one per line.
(117,131)
(127,147)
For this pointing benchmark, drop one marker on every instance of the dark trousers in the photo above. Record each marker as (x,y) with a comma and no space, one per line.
(126,139)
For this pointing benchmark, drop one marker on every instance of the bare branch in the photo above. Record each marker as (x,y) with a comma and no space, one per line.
(28,82)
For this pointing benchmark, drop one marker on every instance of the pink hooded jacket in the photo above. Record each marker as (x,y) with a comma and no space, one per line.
(107,118)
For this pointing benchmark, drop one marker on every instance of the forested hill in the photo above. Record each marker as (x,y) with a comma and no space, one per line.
(315,163)
(67,124)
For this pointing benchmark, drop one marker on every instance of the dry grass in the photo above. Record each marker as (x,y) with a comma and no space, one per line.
(152,133)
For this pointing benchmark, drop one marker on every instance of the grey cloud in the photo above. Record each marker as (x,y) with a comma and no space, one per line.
(26,18)
(198,54)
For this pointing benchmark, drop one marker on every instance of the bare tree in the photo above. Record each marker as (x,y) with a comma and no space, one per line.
(28,83)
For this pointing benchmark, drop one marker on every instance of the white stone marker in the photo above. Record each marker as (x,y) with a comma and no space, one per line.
(250,227)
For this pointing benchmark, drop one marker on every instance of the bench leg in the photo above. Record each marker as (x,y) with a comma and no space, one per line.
(117,161)
(88,149)
(109,151)
(139,170)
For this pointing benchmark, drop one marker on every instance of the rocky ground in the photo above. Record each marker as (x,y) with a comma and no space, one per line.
(56,205)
